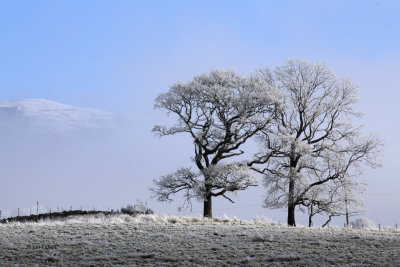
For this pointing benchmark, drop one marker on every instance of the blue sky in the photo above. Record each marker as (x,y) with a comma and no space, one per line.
(119,55)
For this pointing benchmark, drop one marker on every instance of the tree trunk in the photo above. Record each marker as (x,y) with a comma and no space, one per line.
(291,206)
(207,211)
(291,203)
(310,216)
(327,222)
(291,221)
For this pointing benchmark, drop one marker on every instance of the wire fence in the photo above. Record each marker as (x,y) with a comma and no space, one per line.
(42,209)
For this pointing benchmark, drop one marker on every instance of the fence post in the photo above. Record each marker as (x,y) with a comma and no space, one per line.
(0,214)
(18,212)
(70,208)
(37,207)
(379,226)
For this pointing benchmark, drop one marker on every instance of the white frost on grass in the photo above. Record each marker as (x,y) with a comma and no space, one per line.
(168,240)
(264,220)
(144,219)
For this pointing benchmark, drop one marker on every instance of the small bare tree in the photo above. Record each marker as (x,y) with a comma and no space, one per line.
(312,140)
(220,111)
(336,198)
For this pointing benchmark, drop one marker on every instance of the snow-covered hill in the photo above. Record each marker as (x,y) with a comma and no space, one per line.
(154,240)
(47,115)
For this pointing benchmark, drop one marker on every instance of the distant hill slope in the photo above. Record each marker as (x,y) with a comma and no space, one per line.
(53,116)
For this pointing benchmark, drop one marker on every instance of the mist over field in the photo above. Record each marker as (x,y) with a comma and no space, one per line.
(70,156)
(64,156)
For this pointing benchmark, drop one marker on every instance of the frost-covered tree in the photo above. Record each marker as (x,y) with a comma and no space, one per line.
(220,111)
(336,198)
(313,140)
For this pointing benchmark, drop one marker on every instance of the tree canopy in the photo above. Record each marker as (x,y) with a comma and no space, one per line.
(220,110)
(312,140)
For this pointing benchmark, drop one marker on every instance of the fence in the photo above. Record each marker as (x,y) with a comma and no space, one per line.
(41,209)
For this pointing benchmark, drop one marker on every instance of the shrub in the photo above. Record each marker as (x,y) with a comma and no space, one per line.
(139,208)
(363,223)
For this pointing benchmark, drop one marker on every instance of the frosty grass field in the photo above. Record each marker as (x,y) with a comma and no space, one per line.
(156,240)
